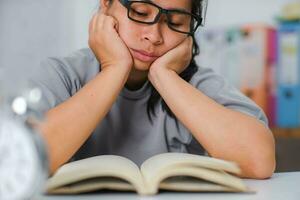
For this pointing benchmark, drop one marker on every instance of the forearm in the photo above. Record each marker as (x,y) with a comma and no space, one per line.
(224,133)
(68,125)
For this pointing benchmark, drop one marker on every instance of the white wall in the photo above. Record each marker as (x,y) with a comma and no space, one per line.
(235,12)
(31,30)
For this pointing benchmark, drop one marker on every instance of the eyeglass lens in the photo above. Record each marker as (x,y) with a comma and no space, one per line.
(148,13)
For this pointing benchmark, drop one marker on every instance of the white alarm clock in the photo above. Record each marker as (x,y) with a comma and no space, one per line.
(23,158)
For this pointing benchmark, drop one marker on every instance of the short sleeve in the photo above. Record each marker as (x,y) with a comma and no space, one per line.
(218,89)
(54,81)
(60,78)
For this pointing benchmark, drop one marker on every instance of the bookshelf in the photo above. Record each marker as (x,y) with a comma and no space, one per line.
(286,132)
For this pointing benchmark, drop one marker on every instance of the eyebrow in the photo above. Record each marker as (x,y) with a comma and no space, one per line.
(171,9)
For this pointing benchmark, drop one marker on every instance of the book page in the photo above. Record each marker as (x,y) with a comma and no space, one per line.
(85,175)
(94,184)
(162,166)
(190,178)
(190,184)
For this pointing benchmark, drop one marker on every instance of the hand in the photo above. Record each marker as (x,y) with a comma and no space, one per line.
(176,59)
(105,42)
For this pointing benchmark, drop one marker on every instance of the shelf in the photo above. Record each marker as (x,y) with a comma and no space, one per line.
(286,132)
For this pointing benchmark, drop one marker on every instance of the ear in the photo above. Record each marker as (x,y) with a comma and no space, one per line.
(104,5)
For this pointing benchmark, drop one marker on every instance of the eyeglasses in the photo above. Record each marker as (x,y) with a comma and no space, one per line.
(147,12)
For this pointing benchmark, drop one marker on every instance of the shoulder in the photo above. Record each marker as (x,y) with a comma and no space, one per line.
(62,77)
(81,65)
(220,90)
(209,82)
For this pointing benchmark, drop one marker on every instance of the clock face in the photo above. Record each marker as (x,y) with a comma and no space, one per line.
(20,167)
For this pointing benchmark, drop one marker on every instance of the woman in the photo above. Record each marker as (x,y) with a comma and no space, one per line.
(137,92)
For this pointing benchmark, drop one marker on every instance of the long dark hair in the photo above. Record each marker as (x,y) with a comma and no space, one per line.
(187,74)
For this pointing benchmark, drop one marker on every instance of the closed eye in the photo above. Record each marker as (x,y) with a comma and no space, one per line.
(140,13)
(175,24)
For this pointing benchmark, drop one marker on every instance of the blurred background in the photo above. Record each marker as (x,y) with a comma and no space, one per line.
(255,45)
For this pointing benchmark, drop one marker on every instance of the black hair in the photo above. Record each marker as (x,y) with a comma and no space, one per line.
(187,74)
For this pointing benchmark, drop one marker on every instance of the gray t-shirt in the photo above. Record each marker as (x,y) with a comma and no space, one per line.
(126,130)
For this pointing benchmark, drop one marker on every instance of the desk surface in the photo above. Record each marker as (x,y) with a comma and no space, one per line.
(280,186)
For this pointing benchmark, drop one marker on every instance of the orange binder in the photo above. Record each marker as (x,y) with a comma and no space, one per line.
(255,62)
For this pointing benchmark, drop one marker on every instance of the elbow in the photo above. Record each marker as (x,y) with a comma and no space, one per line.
(263,170)
(261,167)
(263,162)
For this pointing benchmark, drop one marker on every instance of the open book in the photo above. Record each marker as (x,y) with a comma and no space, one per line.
(168,171)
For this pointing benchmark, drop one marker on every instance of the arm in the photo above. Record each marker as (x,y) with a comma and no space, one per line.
(68,125)
(224,133)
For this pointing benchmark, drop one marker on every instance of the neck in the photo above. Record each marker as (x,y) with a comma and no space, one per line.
(136,79)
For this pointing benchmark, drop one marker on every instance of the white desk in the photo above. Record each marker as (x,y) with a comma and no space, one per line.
(282,186)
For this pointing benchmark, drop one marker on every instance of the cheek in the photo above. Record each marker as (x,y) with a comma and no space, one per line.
(172,41)
(127,33)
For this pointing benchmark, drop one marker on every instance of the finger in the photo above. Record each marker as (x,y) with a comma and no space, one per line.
(186,43)
(190,42)
(103,10)
(99,22)
(111,23)
(183,43)
(92,24)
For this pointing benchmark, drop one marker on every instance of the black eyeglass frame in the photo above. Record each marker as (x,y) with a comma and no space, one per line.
(199,19)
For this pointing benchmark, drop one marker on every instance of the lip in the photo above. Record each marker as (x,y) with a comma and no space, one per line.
(144,56)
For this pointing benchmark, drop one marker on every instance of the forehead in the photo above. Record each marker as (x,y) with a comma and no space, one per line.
(173,4)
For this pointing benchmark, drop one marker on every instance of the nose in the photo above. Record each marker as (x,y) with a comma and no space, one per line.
(153,34)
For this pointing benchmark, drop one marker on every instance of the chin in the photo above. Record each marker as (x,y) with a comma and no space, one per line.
(141,66)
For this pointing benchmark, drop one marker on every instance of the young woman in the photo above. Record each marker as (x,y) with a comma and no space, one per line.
(137,92)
